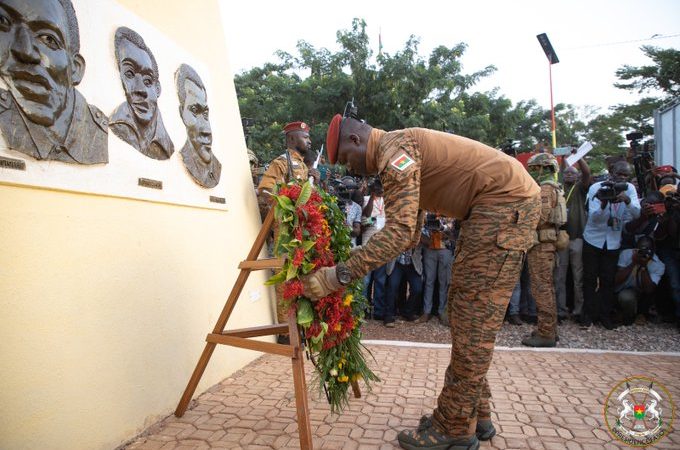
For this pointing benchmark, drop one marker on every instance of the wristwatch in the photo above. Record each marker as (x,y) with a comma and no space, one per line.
(343,274)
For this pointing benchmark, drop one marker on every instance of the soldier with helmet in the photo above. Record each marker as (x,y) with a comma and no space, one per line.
(541,257)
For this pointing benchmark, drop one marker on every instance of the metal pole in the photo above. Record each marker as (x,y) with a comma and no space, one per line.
(552,109)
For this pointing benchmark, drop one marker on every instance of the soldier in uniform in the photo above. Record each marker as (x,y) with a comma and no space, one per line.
(541,257)
(43,115)
(297,144)
(498,203)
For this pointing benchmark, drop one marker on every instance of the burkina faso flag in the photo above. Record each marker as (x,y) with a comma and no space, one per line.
(639,411)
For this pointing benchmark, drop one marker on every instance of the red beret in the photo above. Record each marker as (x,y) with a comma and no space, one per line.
(295,126)
(332,138)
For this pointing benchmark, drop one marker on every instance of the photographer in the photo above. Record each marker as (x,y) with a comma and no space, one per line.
(611,204)
(638,275)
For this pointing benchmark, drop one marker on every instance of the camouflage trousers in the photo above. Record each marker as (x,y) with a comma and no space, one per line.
(489,256)
(541,262)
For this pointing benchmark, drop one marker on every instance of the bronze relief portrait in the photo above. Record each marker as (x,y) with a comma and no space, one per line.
(138,120)
(197,154)
(42,114)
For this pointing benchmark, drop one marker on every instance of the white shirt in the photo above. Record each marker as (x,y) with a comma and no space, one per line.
(597,231)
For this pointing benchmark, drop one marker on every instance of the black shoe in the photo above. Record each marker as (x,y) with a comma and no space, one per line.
(533,320)
(376,317)
(514,319)
(283,339)
(608,324)
(409,317)
(389,323)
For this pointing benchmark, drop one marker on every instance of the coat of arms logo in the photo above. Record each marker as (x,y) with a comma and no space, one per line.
(639,411)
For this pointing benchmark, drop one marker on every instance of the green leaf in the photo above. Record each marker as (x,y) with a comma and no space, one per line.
(276,279)
(305,193)
(285,203)
(307,245)
(307,267)
(292,272)
(305,313)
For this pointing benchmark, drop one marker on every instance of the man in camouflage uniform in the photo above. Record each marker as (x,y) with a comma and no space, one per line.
(297,144)
(498,204)
(541,257)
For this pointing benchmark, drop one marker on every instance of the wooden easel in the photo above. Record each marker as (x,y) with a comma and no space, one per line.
(240,338)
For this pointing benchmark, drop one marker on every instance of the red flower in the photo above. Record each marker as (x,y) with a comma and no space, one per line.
(314,329)
(292,289)
(299,257)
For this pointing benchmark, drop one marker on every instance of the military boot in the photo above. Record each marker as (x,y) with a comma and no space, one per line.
(485,429)
(538,341)
(432,439)
(535,333)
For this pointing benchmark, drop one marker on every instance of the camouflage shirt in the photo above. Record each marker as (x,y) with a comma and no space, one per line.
(278,171)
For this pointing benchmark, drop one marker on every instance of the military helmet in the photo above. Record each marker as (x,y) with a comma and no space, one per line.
(544,160)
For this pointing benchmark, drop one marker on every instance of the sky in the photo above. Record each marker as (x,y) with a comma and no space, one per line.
(591,38)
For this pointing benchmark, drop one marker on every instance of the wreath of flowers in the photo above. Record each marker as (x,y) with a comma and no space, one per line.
(312,234)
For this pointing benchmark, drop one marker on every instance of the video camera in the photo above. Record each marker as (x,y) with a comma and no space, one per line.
(510,148)
(609,191)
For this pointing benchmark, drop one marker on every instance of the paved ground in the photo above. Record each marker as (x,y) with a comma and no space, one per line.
(542,399)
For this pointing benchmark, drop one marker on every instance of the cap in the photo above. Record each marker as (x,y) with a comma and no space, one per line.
(332,138)
(295,126)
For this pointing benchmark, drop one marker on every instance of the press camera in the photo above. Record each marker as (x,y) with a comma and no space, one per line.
(609,191)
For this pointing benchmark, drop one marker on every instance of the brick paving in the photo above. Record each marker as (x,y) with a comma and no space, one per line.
(542,400)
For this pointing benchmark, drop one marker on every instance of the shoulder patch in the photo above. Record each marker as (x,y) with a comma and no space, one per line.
(402,161)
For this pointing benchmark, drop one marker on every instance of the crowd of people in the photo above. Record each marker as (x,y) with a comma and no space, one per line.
(618,261)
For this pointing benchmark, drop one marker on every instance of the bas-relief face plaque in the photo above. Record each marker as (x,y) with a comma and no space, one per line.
(196,153)
(138,120)
(42,114)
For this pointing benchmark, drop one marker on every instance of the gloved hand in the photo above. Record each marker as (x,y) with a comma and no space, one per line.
(321,283)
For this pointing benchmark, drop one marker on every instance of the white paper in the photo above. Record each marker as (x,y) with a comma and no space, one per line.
(580,153)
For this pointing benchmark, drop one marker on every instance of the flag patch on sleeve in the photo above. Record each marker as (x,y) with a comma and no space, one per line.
(402,162)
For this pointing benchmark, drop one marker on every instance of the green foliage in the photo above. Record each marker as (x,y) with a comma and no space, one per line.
(663,76)
(404,89)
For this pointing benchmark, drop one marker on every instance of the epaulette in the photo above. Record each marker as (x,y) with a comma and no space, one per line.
(99,118)
(5,100)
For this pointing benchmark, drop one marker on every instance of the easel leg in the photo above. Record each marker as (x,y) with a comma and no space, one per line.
(195,378)
(304,428)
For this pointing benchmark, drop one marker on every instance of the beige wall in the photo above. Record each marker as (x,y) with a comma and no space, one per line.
(105,302)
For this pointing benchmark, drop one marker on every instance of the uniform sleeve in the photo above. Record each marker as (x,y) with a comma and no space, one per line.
(401,193)
(274,174)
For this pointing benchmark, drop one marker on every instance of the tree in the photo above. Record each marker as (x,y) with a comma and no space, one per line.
(664,75)
(395,91)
